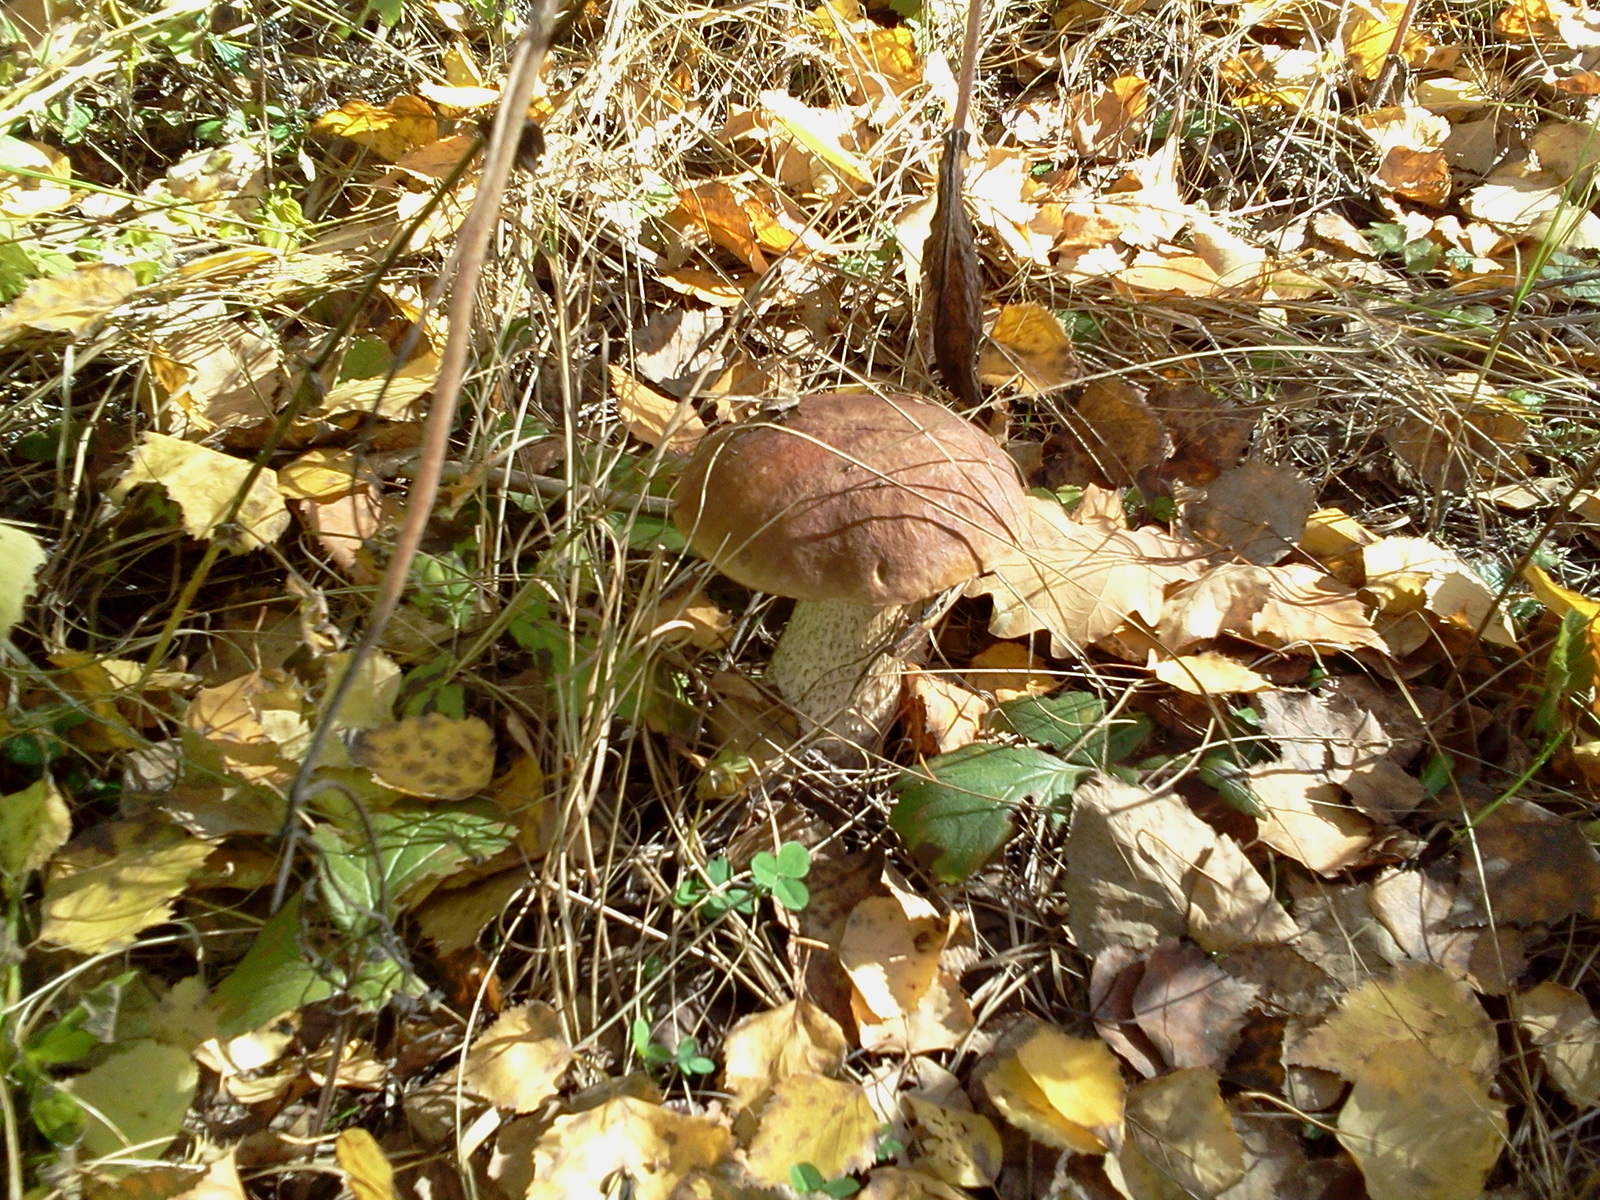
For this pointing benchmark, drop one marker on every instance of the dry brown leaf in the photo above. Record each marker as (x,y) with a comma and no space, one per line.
(1414,907)
(743,225)
(900,1183)
(1409,574)
(587,1153)
(903,998)
(943,716)
(517,1063)
(1257,510)
(952,279)
(204,484)
(1113,439)
(649,415)
(810,1119)
(1461,435)
(1418,1004)
(447,758)
(1210,673)
(1290,608)
(1410,142)
(1061,1090)
(1030,347)
(1189,1007)
(1109,123)
(1561,1023)
(1308,818)
(1181,1140)
(1210,435)
(796,1038)
(1421,1128)
(71,303)
(1142,868)
(819,131)
(344,527)
(1332,736)
(256,724)
(1526,866)
(1080,582)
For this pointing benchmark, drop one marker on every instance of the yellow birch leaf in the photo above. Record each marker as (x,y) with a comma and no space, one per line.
(385,395)
(1561,1023)
(21,556)
(442,757)
(764,1049)
(1030,345)
(364,1164)
(811,1119)
(648,414)
(402,124)
(203,483)
(68,303)
(587,1155)
(321,474)
(136,1099)
(957,1145)
(44,189)
(1211,673)
(104,907)
(1061,1090)
(517,1063)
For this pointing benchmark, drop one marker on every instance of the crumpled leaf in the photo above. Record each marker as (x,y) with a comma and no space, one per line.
(517,1063)
(811,1119)
(1421,1128)
(402,124)
(1064,1091)
(1028,345)
(1284,608)
(203,483)
(903,999)
(953,279)
(1079,582)
(1561,1023)
(796,1038)
(1410,574)
(1142,868)
(584,1155)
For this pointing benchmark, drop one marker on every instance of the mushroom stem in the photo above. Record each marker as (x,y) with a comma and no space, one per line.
(834,665)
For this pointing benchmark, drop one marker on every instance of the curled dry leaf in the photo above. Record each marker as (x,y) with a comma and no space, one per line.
(1409,574)
(654,419)
(1414,906)
(1421,1128)
(903,998)
(1143,868)
(1209,433)
(1189,1007)
(1079,582)
(1061,1090)
(765,1048)
(517,1063)
(1331,734)
(943,716)
(584,1154)
(1526,866)
(1256,510)
(204,484)
(1410,143)
(953,279)
(1561,1023)
(1283,608)
(446,758)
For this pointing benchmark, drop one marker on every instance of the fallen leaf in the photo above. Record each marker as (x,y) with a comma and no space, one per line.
(900,1183)
(517,1063)
(1415,907)
(1113,439)
(34,824)
(1209,433)
(648,415)
(584,1155)
(446,758)
(1421,1128)
(1560,1022)
(205,484)
(742,225)
(1181,1141)
(1256,510)
(366,1168)
(402,124)
(1408,574)
(256,725)
(46,188)
(1308,819)
(953,279)
(1063,1091)
(216,374)
(1189,1007)
(135,1100)
(1144,869)
(1368,32)
(1080,582)
(942,715)
(811,1119)
(1030,347)
(959,1146)
(105,906)
(816,129)
(1109,122)
(1283,608)
(21,556)
(1333,736)
(1417,1005)
(322,475)
(1210,673)
(765,1048)
(1526,866)
(903,998)
(392,396)
(70,303)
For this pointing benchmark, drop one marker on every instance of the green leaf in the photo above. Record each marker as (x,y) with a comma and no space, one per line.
(1074,722)
(34,824)
(273,978)
(792,894)
(955,810)
(794,860)
(719,871)
(804,1177)
(764,869)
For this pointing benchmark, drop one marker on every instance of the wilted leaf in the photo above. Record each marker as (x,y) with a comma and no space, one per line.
(1143,868)
(955,810)
(204,484)
(1526,865)
(1181,1141)
(959,1146)
(1064,1091)
(447,758)
(104,907)
(1113,438)
(1079,582)
(814,129)
(34,824)
(1210,673)
(796,1038)
(810,1119)
(1210,434)
(1109,122)
(1421,1128)
(1256,509)
(1420,1005)
(1308,818)
(1412,161)
(1287,608)
(1460,435)
(1408,574)
(21,556)
(400,125)
(366,1168)
(586,1154)
(1561,1023)
(68,303)
(517,1063)
(1189,1007)
(1028,345)
(136,1099)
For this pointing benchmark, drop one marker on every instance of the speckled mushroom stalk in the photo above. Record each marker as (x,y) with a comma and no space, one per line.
(856,505)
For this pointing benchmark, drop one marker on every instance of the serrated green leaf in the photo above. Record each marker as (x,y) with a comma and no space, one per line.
(1076,724)
(955,810)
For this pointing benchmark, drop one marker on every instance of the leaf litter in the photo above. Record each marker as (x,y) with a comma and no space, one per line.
(1226,795)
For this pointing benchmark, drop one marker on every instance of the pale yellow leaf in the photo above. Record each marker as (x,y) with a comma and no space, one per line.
(135,1100)
(1181,1142)
(1562,1024)
(392,397)
(1421,1128)
(816,129)
(1408,574)
(810,1119)
(68,303)
(366,1168)
(104,907)
(447,758)
(44,189)
(1210,673)
(960,1147)
(649,415)
(322,474)
(21,556)
(517,1063)
(903,998)
(796,1038)
(34,824)
(1309,819)
(1064,1091)
(204,484)
(402,123)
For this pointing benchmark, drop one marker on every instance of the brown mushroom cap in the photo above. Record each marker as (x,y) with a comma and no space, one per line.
(874,500)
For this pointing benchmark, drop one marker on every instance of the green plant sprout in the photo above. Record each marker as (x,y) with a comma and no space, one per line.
(778,876)
(687,1057)
(805,1178)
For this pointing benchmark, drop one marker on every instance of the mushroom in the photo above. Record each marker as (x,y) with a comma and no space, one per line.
(856,505)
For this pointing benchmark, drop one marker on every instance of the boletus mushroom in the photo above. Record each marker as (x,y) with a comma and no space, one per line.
(856,505)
